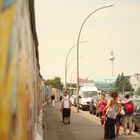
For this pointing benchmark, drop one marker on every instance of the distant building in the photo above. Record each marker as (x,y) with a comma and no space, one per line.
(135,81)
(86,82)
(105,84)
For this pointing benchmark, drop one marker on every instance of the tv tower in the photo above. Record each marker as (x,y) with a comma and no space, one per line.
(112,58)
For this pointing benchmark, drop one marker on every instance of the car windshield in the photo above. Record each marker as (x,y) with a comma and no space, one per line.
(87,94)
(135,102)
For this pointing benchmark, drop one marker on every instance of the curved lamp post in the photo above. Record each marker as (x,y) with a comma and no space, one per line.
(78,51)
(71,62)
(71,80)
(68,67)
(67,60)
(72,74)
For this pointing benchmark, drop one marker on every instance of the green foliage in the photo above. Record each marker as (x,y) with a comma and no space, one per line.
(71,85)
(128,86)
(56,82)
(123,84)
(138,92)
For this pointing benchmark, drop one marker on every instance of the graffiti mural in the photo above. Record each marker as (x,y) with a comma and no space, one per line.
(21,86)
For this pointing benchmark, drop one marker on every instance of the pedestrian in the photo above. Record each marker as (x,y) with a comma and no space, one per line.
(61,109)
(52,94)
(118,121)
(101,105)
(65,107)
(112,110)
(60,98)
(127,117)
(99,96)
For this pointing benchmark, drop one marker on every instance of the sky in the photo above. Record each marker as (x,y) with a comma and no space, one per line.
(115,28)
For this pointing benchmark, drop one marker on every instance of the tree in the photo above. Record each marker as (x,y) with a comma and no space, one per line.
(56,82)
(128,86)
(71,85)
(138,92)
(117,83)
(123,84)
(49,82)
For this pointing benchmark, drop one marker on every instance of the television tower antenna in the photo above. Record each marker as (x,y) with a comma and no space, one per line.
(112,58)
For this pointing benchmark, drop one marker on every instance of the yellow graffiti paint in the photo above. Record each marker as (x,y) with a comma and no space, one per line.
(6,19)
(21,87)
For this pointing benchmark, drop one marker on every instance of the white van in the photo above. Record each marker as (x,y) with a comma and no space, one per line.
(85,96)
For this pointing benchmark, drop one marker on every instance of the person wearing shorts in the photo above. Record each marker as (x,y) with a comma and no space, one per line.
(66,104)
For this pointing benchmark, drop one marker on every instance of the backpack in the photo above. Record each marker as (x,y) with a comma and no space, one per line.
(129,108)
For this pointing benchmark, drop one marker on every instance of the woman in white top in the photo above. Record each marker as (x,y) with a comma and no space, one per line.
(112,110)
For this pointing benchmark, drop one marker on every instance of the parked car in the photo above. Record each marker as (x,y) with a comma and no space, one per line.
(86,93)
(135,102)
(136,118)
(73,100)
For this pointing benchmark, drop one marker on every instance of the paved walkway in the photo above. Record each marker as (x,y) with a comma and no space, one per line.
(83,126)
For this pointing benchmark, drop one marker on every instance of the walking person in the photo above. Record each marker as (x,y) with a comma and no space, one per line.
(127,118)
(60,98)
(52,94)
(66,111)
(118,121)
(101,105)
(112,110)
(62,110)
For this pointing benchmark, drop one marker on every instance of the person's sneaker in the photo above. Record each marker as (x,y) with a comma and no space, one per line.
(123,134)
(117,135)
(129,133)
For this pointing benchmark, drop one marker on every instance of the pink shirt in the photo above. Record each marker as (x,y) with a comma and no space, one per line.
(102,105)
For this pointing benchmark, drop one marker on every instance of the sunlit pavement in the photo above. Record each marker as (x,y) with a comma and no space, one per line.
(83,126)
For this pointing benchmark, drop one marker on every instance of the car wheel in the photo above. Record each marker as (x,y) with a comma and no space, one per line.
(82,108)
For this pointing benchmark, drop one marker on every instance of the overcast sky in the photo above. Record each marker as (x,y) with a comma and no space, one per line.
(118,28)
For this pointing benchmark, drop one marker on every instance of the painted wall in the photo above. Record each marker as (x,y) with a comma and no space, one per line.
(21,88)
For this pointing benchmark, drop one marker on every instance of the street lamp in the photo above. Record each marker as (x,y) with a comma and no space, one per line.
(67,60)
(68,67)
(72,74)
(78,51)
(71,80)
(70,63)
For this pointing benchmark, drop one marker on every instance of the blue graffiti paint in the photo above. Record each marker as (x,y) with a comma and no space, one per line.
(7,3)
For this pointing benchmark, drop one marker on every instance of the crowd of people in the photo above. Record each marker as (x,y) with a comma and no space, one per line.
(114,112)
